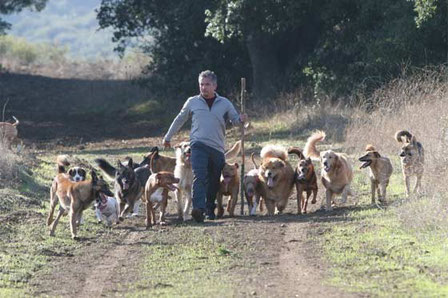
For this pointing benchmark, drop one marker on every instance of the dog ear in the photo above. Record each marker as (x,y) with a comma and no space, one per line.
(94,177)
(413,141)
(157,178)
(236,165)
(308,160)
(376,154)
(130,163)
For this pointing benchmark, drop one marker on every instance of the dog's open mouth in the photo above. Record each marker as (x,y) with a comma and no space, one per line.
(327,168)
(227,179)
(365,164)
(171,187)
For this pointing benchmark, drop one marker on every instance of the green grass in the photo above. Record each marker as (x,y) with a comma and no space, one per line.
(192,268)
(373,252)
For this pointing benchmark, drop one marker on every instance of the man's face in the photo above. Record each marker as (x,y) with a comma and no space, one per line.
(207,87)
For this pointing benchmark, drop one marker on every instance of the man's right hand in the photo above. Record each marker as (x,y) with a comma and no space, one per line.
(166,144)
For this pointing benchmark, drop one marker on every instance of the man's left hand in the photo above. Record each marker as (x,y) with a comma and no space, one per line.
(244,118)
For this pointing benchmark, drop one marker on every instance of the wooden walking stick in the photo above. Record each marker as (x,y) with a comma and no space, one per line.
(243,110)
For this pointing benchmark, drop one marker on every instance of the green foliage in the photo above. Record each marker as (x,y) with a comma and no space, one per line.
(26,53)
(337,47)
(14,6)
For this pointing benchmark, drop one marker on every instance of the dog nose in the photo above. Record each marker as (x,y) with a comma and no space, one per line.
(325,163)
(402,154)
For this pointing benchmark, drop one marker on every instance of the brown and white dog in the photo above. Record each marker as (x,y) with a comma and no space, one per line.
(305,180)
(252,188)
(276,178)
(73,198)
(380,171)
(336,173)
(8,132)
(156,192)
(106,208)
(412,158)
(75,173)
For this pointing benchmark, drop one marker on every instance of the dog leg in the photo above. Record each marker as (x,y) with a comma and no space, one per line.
(98,214)
(53,203)
(329,197)
(231,204)
(136,209)
(55,222)
(186,215)
(373,187)
(148,214)
(299,198)
(314,200)
(345,192)
(178,196)
(407,183)
(270,206)
(382,188)
(253,209)
(418,184)
(122,205)
(73,225)
(220,213)
(305,204)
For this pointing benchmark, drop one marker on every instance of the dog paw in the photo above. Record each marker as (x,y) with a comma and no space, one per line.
(163,223)
(76,238)
(313,201)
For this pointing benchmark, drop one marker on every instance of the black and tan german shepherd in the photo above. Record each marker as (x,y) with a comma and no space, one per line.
(129,182)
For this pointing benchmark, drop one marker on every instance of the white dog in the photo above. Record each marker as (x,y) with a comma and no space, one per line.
(106,208)
(184,172)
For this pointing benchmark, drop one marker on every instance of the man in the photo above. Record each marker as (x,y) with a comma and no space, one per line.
(209,112)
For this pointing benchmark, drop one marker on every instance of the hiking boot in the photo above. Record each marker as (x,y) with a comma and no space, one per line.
(210,214)
(198,215)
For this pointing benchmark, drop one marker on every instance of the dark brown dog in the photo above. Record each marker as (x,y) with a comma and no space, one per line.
(305,180)
(74,198)
(156,191)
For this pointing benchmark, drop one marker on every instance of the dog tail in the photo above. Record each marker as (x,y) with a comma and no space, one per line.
(62,162)
(106,167)
(403,136)
(252,156)
(310,146)
(296,150)
(370,148)
(16,121)
(234,151)
(151,164)
(273,151)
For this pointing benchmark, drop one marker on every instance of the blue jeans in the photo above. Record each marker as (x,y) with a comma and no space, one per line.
(207,164)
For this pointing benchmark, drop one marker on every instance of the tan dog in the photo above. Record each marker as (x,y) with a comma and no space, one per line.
(156,191)
(252,188)
(380,171)
(412,159)
(229,186)
(336,173)
(161,162)
(74,198)
(8,132)
(305,180)
(276,177)
(184,172)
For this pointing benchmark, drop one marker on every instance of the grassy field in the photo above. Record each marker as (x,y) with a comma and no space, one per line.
(359,249)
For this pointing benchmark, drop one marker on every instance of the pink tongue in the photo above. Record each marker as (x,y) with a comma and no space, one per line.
(270,182)
(227,179)
(171,187)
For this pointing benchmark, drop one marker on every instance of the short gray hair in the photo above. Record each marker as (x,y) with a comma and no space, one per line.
(208,74)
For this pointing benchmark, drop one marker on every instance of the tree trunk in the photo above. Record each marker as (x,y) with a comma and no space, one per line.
(265,65)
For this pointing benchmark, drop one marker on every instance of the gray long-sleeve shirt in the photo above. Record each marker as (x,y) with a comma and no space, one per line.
(208,124)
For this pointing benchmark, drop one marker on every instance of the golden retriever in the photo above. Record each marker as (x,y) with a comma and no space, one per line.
(276,178)
(336,173)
